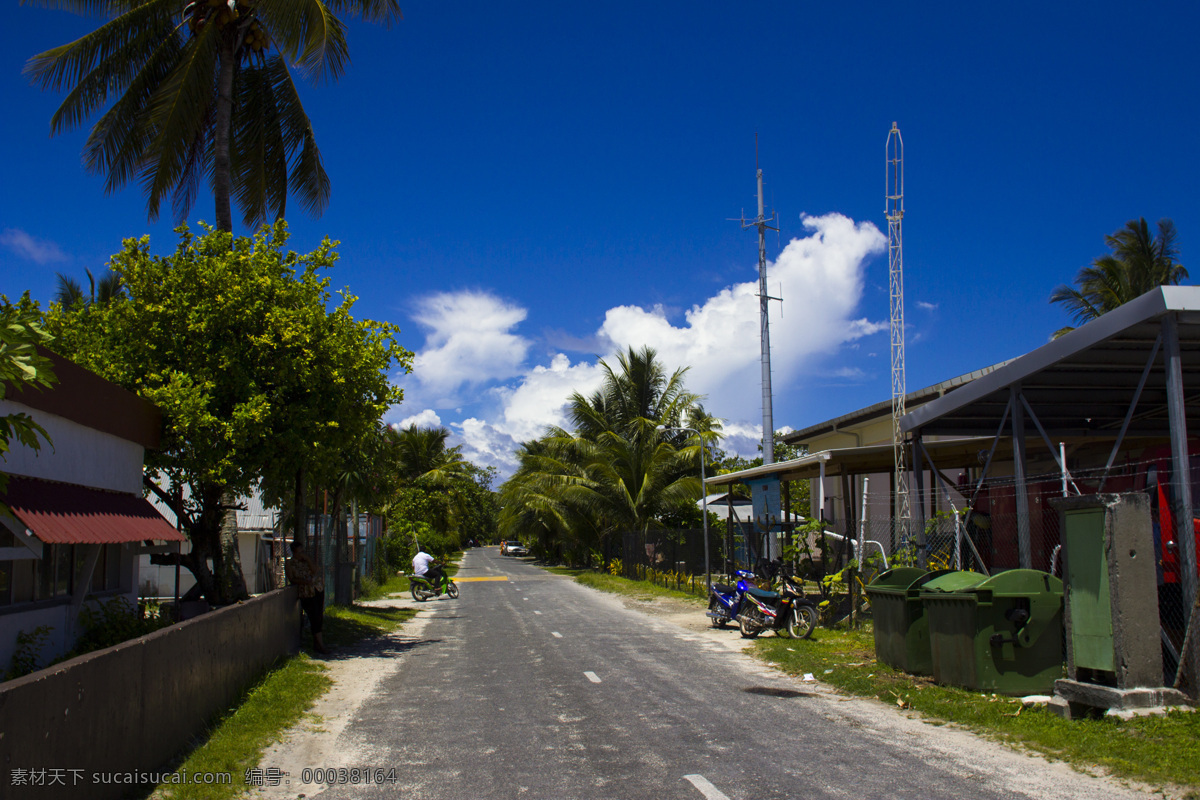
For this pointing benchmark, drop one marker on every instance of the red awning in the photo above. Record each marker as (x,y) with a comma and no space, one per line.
(64,513)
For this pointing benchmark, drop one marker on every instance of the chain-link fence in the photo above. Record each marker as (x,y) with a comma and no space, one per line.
(345,555)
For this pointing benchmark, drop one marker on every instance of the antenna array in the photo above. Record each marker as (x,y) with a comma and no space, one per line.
(894,153)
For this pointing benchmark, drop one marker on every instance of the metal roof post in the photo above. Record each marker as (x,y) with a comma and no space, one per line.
(1181,477)
(1024,550)
(919,511)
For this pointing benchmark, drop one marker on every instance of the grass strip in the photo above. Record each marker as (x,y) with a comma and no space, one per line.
(637,590)
(1159,750)
(235,742)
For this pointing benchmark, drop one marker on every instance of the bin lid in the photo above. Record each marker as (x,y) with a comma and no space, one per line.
(956,581)
(1021,583)
(896,578)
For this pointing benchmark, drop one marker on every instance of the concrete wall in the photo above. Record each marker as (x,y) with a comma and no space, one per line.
(134,706)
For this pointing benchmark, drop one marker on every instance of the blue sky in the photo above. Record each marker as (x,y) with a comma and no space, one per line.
(525,188)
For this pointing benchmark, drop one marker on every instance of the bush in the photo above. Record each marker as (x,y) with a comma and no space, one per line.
(28,651)
(116,620)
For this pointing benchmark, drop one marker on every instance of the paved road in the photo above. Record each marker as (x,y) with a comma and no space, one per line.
(532,686)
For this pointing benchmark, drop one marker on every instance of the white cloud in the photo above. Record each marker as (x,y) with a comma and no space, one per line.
(38,251)
(468,343)
(921,304)
(472,353)
(483,444)
(426,419)
(820,279)
(542,396)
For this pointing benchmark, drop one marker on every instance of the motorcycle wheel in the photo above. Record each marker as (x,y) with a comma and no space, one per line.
(748,629)
(802,622)
(418,595)
(717,622)
(452,590)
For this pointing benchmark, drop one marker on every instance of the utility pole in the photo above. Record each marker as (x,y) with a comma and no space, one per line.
(762,222)
(894,154)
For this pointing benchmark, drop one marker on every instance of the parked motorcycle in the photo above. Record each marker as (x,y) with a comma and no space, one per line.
(724,601)
(786,610)
(422,588)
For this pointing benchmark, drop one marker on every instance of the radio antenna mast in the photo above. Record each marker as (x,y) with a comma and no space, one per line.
(894,154)
(763,223)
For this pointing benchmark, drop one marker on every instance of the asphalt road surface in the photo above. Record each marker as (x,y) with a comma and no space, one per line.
(531,686)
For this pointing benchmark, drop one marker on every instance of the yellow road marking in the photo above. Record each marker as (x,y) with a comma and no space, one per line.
(468,580)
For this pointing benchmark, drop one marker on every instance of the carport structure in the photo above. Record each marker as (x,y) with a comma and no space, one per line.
(1119,383)
(1127,379)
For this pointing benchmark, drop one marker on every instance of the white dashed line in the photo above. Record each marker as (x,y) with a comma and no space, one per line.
(707,789)
(537,612)
(591,676)
(556,634)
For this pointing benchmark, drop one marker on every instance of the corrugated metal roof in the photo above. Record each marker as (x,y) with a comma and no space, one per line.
(1082,384)
(64,513)
(884,407)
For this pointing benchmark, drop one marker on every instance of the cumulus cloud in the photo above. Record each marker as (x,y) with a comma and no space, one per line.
(472,351)
(540,400)
(820,278)
(468,343)
(25,246)
(426,419)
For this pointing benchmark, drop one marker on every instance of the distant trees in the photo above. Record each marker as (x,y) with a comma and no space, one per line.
(624,467)
(1139,262)
(260,374)
(440,500)
(197,89)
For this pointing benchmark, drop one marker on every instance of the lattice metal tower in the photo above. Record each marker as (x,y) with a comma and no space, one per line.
(894,152)
(762,222)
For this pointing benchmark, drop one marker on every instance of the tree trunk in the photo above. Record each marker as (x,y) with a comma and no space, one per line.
(229,575)
(300,523)
(222,170)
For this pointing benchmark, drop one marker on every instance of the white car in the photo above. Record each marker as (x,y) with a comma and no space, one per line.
(514,549)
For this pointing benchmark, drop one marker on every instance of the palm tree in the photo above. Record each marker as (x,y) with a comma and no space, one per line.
(70,291)
(203,87)
(1138,263)
(422,457)
(619,470)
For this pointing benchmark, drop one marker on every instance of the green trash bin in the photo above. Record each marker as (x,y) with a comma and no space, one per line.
(1001,634)
(901,628)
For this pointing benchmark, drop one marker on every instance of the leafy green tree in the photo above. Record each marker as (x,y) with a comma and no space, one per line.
(203,88)
(1139,262)
(257,376)
(437,485)
(21,367)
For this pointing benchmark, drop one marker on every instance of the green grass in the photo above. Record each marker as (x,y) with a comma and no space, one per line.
(1160,750)
(637,590)
(235,742)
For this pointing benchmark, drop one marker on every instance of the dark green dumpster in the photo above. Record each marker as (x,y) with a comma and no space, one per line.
(1001,634)
(901,629)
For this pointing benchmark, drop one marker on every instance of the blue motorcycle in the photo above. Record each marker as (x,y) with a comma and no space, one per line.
(725,602)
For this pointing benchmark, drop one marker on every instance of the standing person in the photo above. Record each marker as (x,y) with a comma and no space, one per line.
(304,573)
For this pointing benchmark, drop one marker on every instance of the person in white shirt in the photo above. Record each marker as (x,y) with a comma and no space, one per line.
(426,566)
